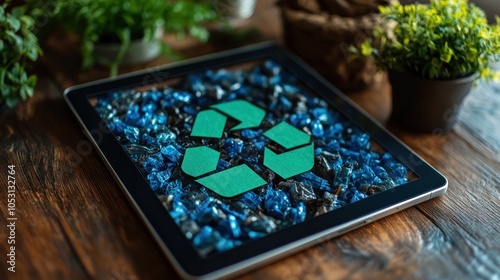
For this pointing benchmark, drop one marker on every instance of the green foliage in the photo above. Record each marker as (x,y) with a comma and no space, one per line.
(113,21)
(446,39)
(18,46)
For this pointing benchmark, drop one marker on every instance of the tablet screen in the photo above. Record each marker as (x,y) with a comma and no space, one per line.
(240,152)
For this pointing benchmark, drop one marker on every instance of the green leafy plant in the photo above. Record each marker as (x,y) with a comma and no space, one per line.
(18,47)
(111,21)
(446,39)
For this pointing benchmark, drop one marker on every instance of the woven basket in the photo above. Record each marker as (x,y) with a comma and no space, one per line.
(322,39)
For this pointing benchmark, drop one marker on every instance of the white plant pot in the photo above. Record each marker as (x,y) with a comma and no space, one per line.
(235,8)
(140,51)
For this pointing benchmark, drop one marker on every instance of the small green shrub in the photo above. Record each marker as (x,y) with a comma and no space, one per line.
(18,47)
(446,39)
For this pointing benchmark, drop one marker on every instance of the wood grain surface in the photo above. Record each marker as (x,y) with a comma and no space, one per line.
(73,222)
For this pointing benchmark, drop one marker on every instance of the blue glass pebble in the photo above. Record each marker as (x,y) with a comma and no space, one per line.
(364,158)
(154,162)
(148,107)
(255,234)
(334,130)
(159,179)
(178,211)
(166,138)
(206,239)
(222,165)
(171,153)
(360,141)
(234,226)
(190,110)
(261,223)
(233,146)
(149,140)
(285,103)
(272,67)
(333,146)
(258,80)
(342,176)
(132,134)
(117,126)
(380,172)
(311,179)
(182,96)
(132,115)
(250,134)
(251,199)
(365,176)
(174,188)
(259,143)
(323,115)
(224,244)
(300,120)
(230,227)
(398,170)
(276,203)
(387,159)
(297,214)
(229,211)
(337,163)
(206,214)
(352,195)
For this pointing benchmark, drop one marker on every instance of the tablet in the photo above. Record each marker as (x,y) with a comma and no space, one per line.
(239,158)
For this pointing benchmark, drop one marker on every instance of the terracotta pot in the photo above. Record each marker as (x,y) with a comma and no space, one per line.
(427,105)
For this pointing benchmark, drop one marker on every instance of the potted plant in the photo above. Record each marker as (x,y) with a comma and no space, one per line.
(320,31)
(114,33)
(18,47)
(434,53)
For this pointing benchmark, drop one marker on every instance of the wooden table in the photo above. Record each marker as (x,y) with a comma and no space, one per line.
(73,222)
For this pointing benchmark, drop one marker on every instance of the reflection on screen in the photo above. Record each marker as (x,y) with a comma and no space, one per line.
(236,154)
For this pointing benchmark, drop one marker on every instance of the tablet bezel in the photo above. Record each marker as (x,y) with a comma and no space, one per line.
(177,247)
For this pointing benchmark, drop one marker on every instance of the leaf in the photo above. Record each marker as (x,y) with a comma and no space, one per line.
(18,41)
(32,54)
(11,76)
(199,33)
(30,91)
(23,77)
(366,48)
(23,93)
(11,102)
(446,53)
(6,91)
(32,81)
(14,23)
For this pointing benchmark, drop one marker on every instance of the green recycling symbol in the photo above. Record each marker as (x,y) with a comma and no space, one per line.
(236,180)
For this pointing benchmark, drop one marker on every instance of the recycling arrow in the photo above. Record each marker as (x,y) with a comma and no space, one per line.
(248,114)
(200,161)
